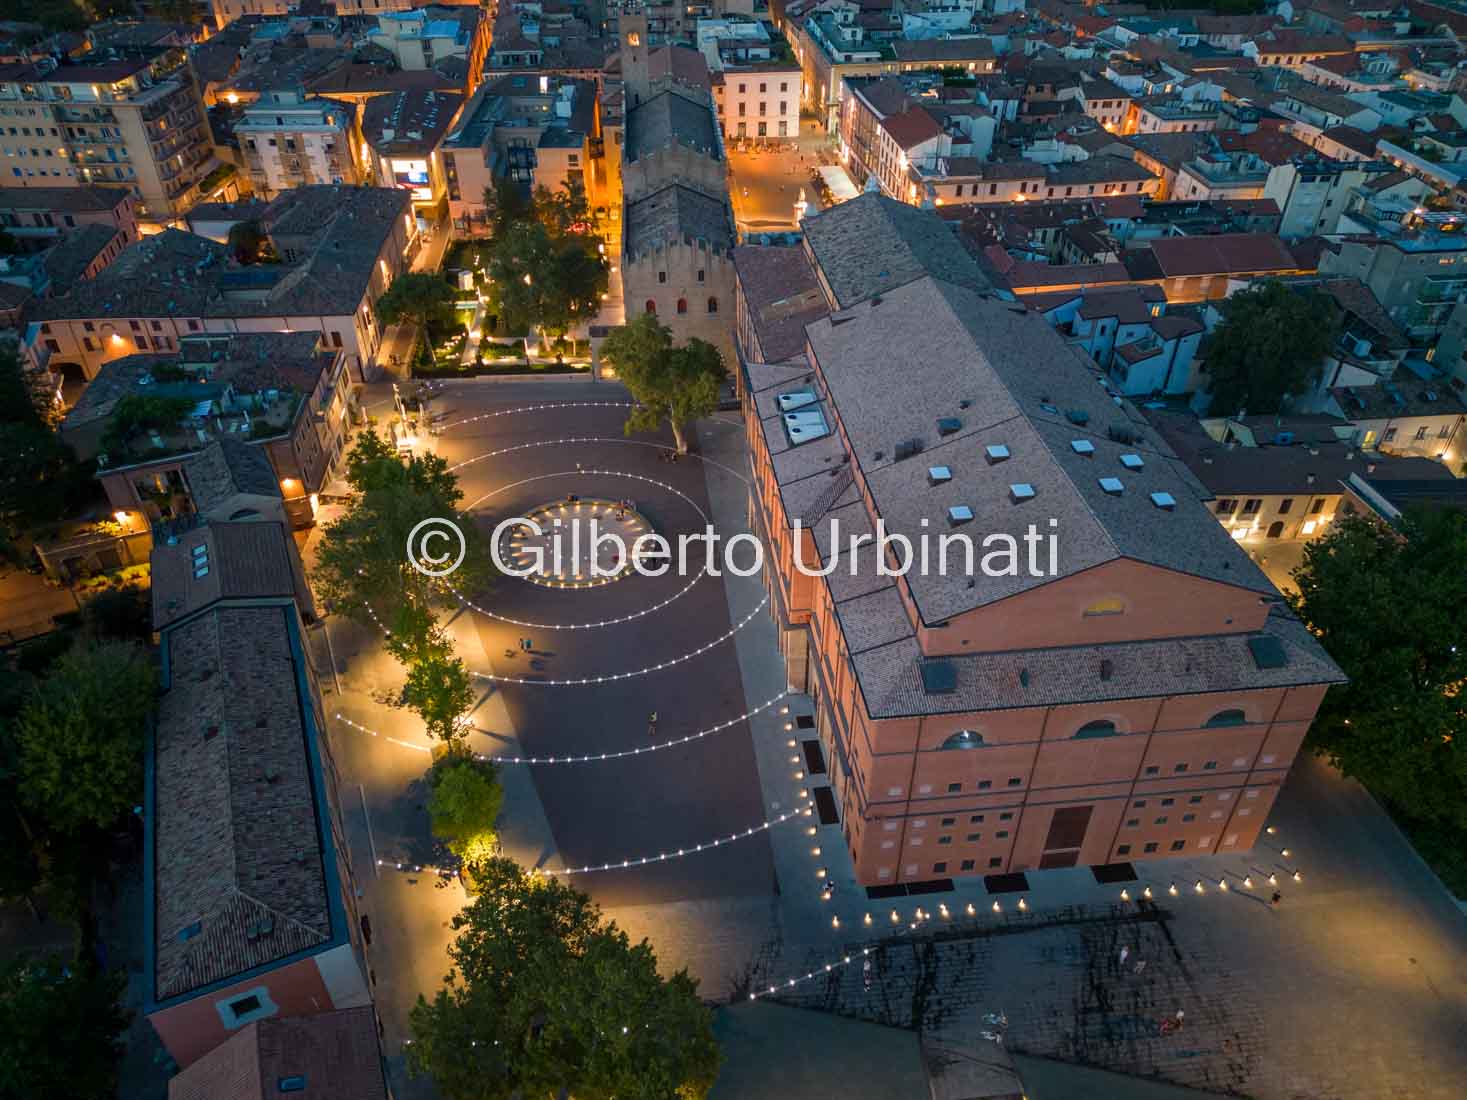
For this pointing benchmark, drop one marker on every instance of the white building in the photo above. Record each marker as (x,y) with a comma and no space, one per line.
(756,84)
(290,141)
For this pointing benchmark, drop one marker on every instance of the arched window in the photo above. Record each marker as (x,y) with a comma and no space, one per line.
(712,305)
(651,306)
(1111,605)
(964,739)
(1232,717)
(1101,727)
(682,305)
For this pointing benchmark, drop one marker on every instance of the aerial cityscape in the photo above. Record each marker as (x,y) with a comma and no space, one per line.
(733,549)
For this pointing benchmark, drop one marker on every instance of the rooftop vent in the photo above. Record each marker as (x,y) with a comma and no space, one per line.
(907,448)
(1132,462)
(1112,485)
(996,452)
(804,426)
(1077,416)
(1082,447)
(949,425)
(795,399)
(936,475)
(1165,501)
(959,514)
(939,677)
(1021,491)
(1047,407)
(967,403)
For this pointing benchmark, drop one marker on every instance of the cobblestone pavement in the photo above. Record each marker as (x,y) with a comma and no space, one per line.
(1355,986)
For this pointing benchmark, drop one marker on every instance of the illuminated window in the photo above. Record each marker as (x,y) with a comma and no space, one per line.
(1111,605)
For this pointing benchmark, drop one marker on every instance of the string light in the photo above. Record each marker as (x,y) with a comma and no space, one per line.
(790,983)
(539,408)
(596,757)
(612,677)
(663,857)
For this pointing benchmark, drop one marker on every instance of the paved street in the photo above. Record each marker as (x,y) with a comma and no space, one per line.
(1355,986)
(766,184)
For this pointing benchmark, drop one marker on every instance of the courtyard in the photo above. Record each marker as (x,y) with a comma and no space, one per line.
(690,827)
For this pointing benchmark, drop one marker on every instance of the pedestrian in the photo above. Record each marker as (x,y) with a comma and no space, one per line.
(529,646)
(1125,954)
(866,975)
(1274,901)
(652,724)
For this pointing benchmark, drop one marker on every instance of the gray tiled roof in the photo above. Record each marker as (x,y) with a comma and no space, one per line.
(783,295)
(239,879)
(874,244)
(227,467)
(74,253)
(673,117)
(937,345)
(673,214)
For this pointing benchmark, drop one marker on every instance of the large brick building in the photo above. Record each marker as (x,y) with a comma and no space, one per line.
(1134,688)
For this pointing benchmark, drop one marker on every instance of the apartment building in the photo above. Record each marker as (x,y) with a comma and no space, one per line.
(402,133)
(135,123)
(535,129)
(1141,695)
(755,79)
(341,247)
(280,393)
(423,38)
(37,216)
(251,904)
(289,140)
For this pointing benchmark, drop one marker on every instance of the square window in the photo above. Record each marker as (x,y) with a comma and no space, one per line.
(1195,800)
(969,864)
(1168,801)
(1139,804)
(984,784)
(1016,782)
(1178,845)
(954,788)
(244,1006)
(1153,770)
(939,868)
(1132,822)
(949,821)
(1006,816)
(944,840)
(996,861)
(1151,847)
(1180,768)
(1123,850)
(1188,817)
(975,819)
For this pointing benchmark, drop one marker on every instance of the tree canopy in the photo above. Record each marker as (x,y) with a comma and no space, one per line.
(249,242)
(564,212)
(546,282)
(464,804)
(1269,347)
(676,384)
(546,998)
(416,298)
(81,736)
(1388,604)
(504,205)
(60,1029)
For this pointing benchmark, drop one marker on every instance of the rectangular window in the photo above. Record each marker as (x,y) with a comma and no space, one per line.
(976,819)
(984,784)
(949,821)
(244,1006)
(1002,834)
(954,788)
(1006,816)
(1168,801)
(1210,766)
(1139,804)
(944,840)
(1132,822)
(1251,506)
(969,864)
(1152,769)
(1285,505)
(336,339)
(996,861)
(193,326)
(1123,850)
(1195,800)
(973,838)
(1421,433)
(939,868)
(1151,847)
(1180,768)
(1187,818)
(662,276)
(1226,507)
(1317,507)
(1389,437)
(1178,845)
(1016,782)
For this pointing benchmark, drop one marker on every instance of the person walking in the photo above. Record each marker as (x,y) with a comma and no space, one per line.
(1125,954)
(1274,901)
(652,724)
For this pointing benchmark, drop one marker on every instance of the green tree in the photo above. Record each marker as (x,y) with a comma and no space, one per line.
(141,412)
(564,212)
(440,689)
(60,1029)
(40,478)
(464,804)
(1269,347)
(249,242)
(547,999)
(546,283)
(1388,605)
(81,735)
(504,205)
(675,384)
(416,298)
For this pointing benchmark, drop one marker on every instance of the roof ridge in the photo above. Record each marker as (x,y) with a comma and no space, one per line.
(274,912)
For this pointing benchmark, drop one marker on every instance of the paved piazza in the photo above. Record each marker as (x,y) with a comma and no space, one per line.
(575,543)
(1354,986)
